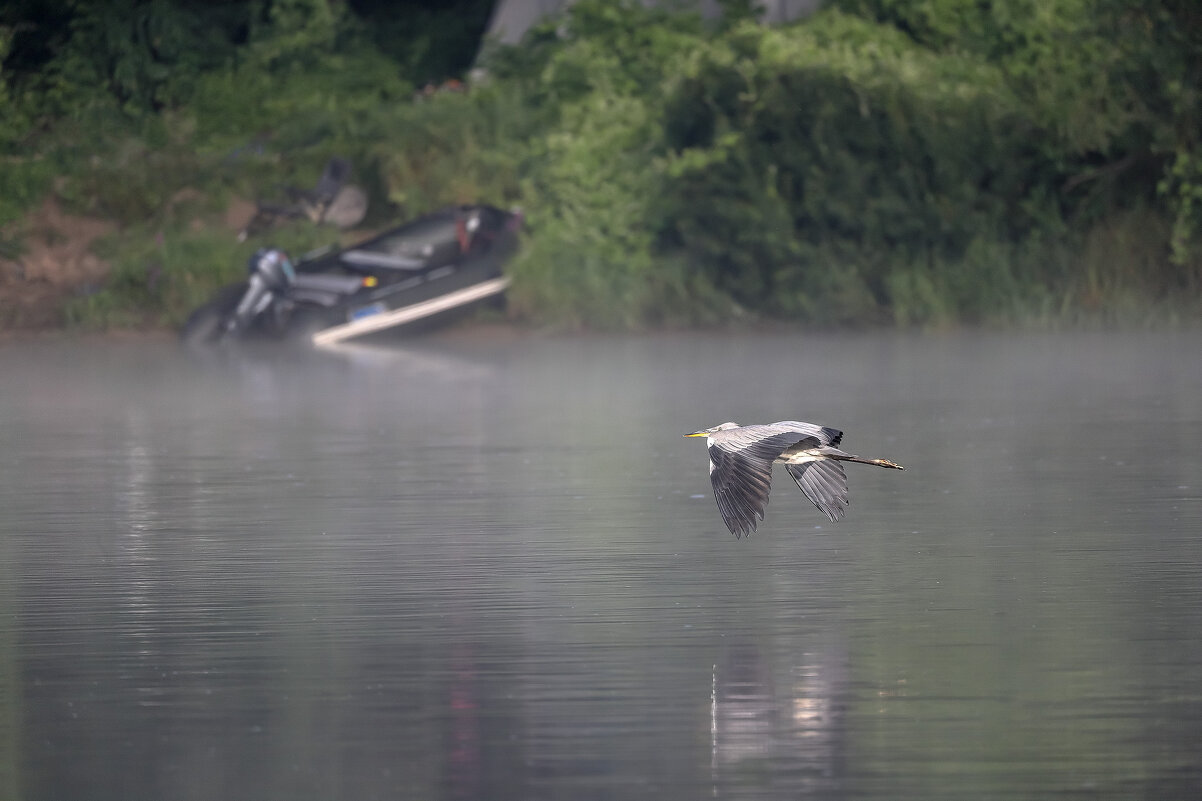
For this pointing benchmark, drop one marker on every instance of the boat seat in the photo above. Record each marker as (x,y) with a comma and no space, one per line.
(389,261)
(338,284)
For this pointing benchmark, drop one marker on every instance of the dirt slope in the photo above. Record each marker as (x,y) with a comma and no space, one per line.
(56,263)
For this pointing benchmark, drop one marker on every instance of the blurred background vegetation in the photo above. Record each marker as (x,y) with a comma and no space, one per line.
(900,162)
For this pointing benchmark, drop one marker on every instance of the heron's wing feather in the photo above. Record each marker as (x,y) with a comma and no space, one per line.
(770,441)
(741,486)
(825,483)
(823,434)
(741,470)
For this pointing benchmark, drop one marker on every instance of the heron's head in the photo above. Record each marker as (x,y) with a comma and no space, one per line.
(705,432)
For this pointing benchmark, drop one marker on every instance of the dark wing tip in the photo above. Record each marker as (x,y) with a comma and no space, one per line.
(738,512)
(741,487)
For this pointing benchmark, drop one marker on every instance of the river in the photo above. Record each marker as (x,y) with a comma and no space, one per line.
(491,567)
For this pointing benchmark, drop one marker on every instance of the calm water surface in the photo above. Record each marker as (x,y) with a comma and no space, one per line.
(493,569)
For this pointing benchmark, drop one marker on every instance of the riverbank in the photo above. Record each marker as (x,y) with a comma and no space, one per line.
(78,274)
(855,169)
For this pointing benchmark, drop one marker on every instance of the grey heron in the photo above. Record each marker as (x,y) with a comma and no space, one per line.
(741,459)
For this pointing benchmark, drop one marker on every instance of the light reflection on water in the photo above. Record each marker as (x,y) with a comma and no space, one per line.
(474,569)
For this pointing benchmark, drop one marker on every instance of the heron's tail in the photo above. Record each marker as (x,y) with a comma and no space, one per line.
(835,453)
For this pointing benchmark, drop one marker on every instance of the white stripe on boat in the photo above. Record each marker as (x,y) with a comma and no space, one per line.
(408,314)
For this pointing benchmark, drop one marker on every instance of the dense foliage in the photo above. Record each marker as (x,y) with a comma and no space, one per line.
(903,161)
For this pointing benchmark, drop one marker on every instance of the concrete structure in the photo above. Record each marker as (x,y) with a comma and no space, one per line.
(512,18)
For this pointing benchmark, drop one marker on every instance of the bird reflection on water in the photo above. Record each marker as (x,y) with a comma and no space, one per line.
(781,734)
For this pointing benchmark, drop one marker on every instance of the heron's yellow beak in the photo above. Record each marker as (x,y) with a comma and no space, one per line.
(698,434)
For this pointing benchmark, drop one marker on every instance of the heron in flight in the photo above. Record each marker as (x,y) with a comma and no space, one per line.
(741,459)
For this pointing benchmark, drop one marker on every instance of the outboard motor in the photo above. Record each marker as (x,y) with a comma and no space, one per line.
(275,268)
(271,274)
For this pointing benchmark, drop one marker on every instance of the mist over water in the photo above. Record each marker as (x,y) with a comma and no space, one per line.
(493,568)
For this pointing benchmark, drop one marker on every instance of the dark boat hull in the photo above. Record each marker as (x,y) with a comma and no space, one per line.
(408,277)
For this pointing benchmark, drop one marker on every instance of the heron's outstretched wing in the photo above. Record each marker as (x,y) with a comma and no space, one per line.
(824,434)
(823,482)
(741,468)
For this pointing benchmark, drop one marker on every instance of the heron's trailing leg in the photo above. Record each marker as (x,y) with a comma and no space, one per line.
(801,456)
(847,457)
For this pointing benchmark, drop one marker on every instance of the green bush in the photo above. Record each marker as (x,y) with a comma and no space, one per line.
(901,162)
(454,148)
(591,176)
(805,161)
